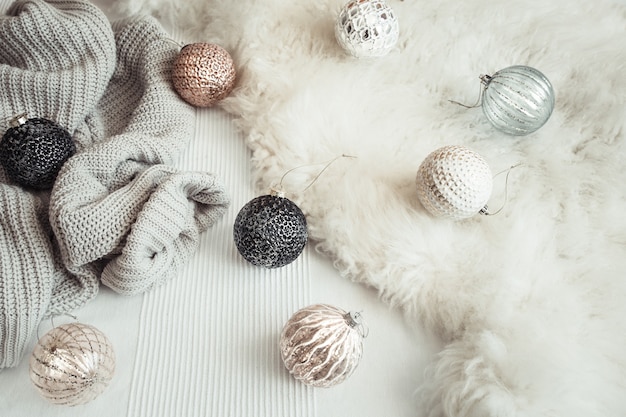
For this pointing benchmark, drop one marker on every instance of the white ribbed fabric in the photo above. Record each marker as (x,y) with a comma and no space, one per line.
(208,341)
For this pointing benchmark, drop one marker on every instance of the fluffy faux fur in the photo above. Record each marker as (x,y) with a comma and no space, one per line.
(531,303)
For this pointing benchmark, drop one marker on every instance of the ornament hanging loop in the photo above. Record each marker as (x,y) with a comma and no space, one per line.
(278,190)
(172,41)
(484,82)
(355,320)
(52,322)
(485,211)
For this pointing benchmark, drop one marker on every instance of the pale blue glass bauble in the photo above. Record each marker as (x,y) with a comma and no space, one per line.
(517,100)
(367,28)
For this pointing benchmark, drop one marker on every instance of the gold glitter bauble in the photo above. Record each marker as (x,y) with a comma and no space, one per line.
(203,74)
(322,345)
(72,364)
(454,182)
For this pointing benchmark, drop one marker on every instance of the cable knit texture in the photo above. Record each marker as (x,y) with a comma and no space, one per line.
(119,213)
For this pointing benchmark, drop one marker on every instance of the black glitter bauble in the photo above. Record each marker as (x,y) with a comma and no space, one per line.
(33,152)
(270,231)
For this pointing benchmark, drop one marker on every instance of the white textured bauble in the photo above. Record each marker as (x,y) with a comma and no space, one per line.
(367,28)
(454,182)
(321,345)
(72,364)
(517,100)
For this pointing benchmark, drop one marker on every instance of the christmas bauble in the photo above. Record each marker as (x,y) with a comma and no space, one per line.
(72,364)
(454,182)
(203,74)
(321,345)
(517,100)
(367,28)
(33,152)
(270,231)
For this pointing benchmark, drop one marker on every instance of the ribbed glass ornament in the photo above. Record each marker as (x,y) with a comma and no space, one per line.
(321,345)
(72,364)
(517,100)
(367,28)
(454,182)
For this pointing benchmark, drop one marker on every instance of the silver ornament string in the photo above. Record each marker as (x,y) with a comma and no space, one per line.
(355,320)
(484,82)
(52,322)
(278,190)
(484,210)
(170,40)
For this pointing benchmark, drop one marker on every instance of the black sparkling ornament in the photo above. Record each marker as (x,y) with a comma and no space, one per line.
(33,152)
(270,231)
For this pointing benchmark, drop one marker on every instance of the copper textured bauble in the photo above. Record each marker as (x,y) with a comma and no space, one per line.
(203,74)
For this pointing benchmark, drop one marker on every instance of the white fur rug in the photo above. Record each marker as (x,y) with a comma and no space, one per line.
(531,303)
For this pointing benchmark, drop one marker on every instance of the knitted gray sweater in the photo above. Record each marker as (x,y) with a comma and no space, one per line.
(118,213)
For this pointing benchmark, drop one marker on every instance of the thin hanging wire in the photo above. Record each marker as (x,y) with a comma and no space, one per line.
(355,320)
(170,40)
(327,165)
(478,101)
(52,322)
(484,211)
(484,82)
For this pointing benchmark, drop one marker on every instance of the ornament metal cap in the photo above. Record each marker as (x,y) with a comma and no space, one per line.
(355,320)
(275,192)
(19,120)
(485,79)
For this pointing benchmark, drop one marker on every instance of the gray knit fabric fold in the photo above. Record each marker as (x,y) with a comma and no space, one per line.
(118,213)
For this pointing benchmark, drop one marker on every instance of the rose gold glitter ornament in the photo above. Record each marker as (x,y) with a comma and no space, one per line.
(203,74)
(454,182)
(72,364)
(322,345)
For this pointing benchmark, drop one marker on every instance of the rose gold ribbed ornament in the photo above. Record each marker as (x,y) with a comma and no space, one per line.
(203,74)
(455,182)
(72,364)
(322,345)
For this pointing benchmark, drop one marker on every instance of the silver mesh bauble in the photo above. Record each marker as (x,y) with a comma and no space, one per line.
(72,364)
(454,182)
(270,231)
(517,100)
(33,151)
(367,28)
(321,345)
